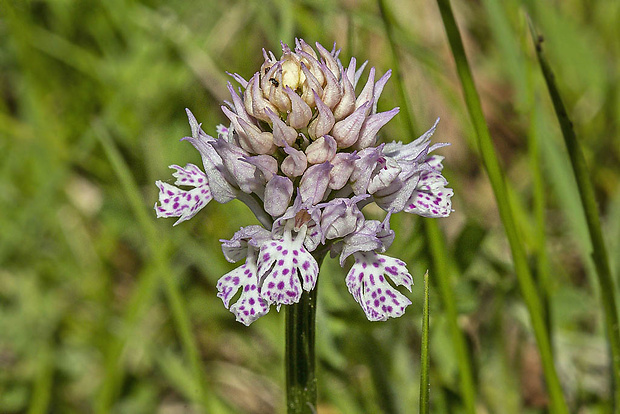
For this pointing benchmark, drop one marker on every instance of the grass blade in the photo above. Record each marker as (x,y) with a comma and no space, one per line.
(439,254)
(496,177)
(425,385)
(588,200)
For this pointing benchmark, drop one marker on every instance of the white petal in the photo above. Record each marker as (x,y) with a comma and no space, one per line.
(285,267)
(174,202)
(250,306)
(368,284)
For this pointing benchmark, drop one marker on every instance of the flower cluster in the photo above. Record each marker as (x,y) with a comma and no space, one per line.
(301,151)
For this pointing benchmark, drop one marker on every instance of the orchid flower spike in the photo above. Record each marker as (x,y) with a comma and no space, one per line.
(301,151)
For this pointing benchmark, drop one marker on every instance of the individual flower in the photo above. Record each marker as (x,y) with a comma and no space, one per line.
(302,152)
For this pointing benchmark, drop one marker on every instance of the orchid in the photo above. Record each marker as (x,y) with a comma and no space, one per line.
(302,152)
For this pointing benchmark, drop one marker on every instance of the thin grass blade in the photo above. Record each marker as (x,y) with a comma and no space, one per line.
(496,176)
(588,200)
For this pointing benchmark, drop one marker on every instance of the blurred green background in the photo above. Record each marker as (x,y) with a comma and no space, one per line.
(94,289)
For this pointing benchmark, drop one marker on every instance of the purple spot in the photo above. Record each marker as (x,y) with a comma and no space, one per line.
(279,248)
(166,201)
(280,285)
(252,311)
(235,280)
(306,265)
(266,257)
(271,285)
(251,301)
(376,303)
(382,298)
(381,278)
(175,206)
(389,309)
(294,260)
(285,272)
(285,252)
(290,293)
(246,288)
(280,262)
(295,252)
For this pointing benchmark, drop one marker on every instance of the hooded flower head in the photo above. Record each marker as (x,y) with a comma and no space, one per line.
(301,151)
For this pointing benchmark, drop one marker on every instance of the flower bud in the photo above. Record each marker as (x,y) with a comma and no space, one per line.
(282,133)
(323,123)
(300,113)
(313,66)
(372,124)
(331,92)
(310,86)
(321,150)
(278,194)
(367,93)
(346,106)
(253,140)
(346,132)
(255,104)
(314,183)
(329,58)
(295,164)
(343,163)
(292,75)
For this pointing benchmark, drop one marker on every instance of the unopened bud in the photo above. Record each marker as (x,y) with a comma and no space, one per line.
(321,150)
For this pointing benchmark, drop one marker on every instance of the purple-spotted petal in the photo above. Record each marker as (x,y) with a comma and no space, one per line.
(368,282)
(175,202)
(284,268)
(431,198)
(250,305)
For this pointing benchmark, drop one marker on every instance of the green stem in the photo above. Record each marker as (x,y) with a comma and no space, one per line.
(301,387)
(496,177)
(588,200)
